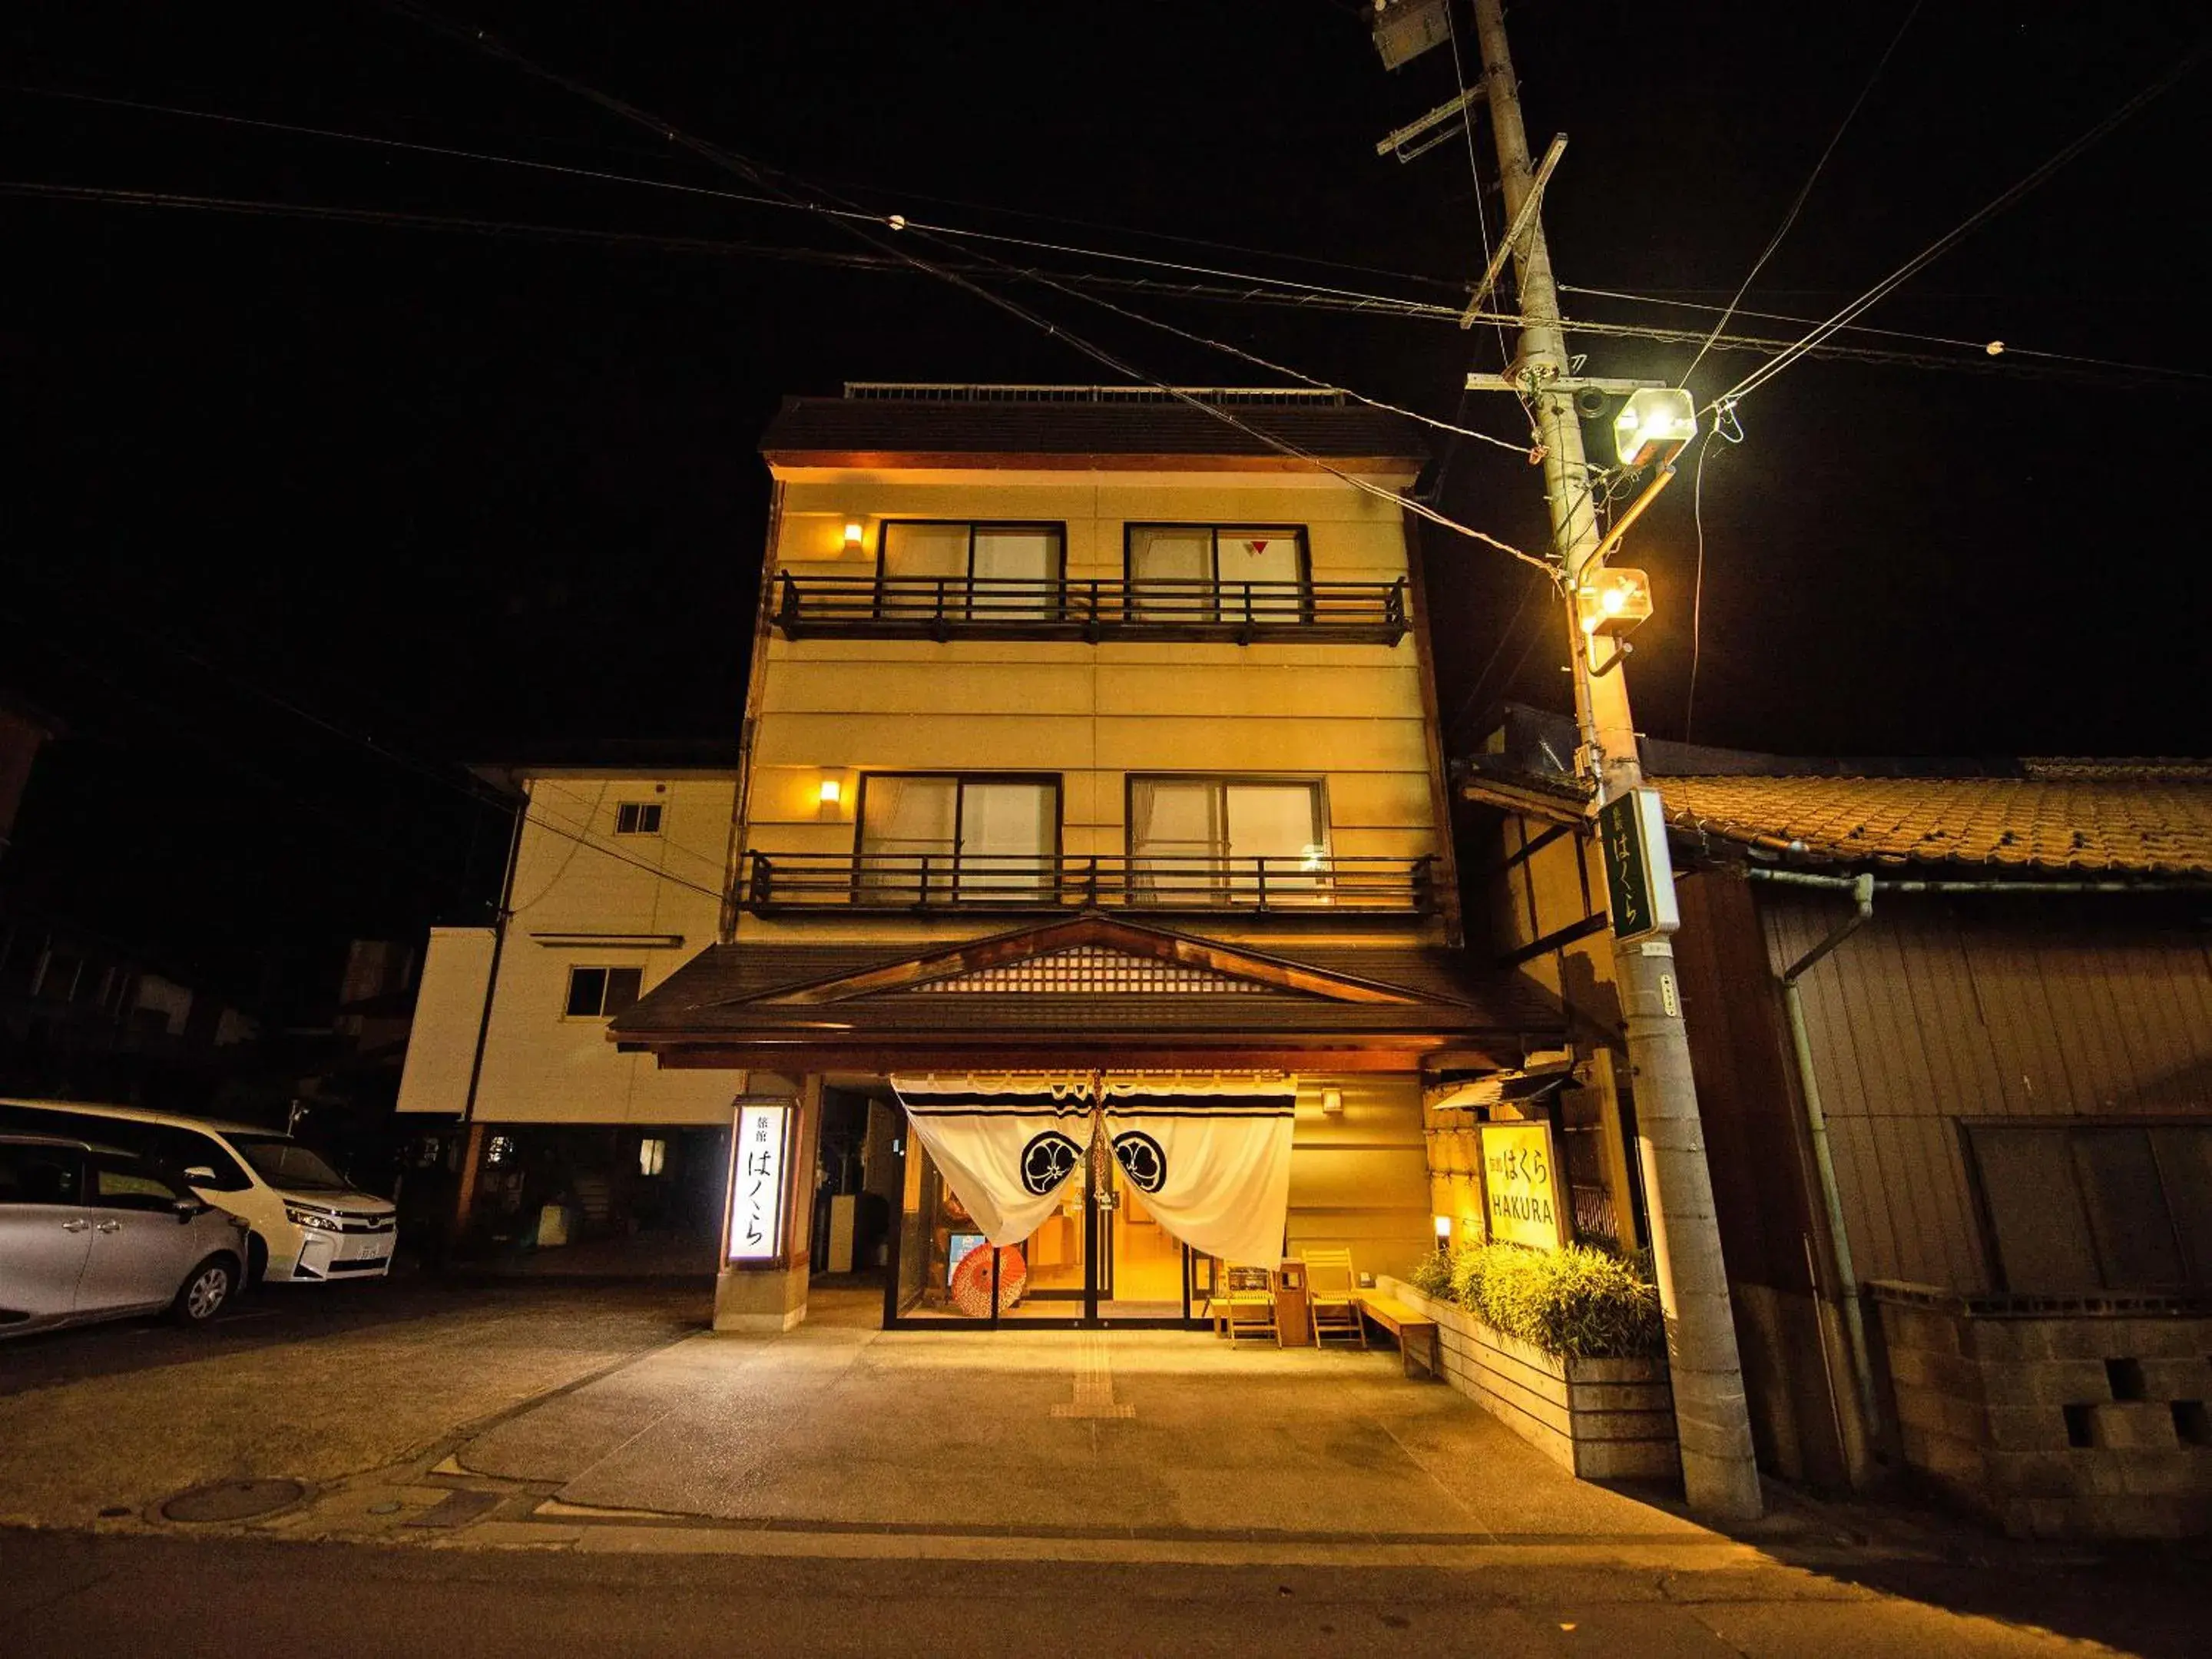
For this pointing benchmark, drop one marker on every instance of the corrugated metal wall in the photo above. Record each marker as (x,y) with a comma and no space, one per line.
(2017,1007)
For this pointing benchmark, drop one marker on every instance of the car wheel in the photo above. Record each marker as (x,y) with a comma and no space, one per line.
(205,1292)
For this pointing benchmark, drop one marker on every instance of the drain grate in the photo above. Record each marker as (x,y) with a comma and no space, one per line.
(232,1500)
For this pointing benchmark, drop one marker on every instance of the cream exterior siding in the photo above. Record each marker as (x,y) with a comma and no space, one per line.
(1351,716)
(441,1043)
(582,895)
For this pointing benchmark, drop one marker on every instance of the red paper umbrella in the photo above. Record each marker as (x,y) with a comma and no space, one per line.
(971,1281)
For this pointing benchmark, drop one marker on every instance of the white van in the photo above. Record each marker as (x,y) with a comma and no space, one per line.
(308,1222)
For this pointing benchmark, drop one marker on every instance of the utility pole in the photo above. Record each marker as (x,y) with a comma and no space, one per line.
(1719,1475)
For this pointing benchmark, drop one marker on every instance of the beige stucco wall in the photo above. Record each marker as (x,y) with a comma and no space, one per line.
(441,1043)
(574,875)
(1360,1178)
(1350,716)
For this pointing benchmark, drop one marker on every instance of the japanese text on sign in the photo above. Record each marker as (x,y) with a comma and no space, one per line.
(757,1184)
(1639,879)
(1520,1185)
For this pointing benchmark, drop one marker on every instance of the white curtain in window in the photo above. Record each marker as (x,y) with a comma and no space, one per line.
(925,549)
(1268,557)
(1173,573)
(1175,837)
(1029,557)
(1005,830)
(1274,821)
(906,818)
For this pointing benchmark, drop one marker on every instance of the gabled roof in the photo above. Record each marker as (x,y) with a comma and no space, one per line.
(1058,426)
(947,999)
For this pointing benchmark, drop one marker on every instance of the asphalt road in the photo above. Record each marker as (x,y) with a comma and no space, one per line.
(69,1594)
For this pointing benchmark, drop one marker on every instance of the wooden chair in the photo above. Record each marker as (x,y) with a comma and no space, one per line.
(1334,1294)
(1243,1302)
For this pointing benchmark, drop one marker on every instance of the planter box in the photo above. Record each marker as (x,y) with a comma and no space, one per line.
(1600,1419)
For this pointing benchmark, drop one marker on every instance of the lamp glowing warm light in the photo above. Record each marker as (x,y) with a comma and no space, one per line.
(1653,424)
(832,791)
(854,535)
(1616,601)
(1444,1231)
(1332,1103)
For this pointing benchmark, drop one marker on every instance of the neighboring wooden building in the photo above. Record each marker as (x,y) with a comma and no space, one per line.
(2004,1030)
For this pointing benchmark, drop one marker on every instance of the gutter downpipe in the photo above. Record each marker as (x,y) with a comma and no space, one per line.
(1858,1458)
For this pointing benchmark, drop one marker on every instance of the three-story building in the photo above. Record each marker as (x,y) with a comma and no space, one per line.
(1089,836)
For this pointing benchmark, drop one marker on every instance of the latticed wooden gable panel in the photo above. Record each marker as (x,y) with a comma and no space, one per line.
(1089,968)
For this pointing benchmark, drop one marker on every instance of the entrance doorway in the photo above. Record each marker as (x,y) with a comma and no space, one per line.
(1099,1258)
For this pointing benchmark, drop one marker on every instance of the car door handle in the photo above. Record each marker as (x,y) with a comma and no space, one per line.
(110,1226)
(75,1226)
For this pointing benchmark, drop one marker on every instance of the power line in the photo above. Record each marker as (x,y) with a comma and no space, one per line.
(492,46)
(1257,289)
(2162,82)
(1797,206)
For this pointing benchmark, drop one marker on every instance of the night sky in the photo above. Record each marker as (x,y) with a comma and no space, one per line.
(301,513)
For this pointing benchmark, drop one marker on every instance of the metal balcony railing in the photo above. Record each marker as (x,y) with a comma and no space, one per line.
(905,883)
(985,607)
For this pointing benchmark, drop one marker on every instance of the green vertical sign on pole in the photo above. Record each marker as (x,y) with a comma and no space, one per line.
(1639,877)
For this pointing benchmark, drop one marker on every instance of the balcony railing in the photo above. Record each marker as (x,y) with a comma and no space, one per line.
(985,607)
(906,883)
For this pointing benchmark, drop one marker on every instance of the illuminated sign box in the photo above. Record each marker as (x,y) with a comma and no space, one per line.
(756,1170)
(1521,1186)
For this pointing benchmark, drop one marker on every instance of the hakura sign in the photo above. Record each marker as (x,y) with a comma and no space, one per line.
(1521,1186)
(757,1181)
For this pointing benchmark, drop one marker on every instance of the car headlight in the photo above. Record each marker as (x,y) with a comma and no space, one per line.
(310,1218)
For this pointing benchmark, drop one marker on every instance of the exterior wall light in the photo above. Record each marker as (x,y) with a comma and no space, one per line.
(1653,424)
(1332,1103)
(854,535)
(1443,1232)
(832,791)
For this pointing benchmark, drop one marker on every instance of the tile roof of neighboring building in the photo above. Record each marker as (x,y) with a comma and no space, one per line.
(2100,817)
(851,429)
(2119,817)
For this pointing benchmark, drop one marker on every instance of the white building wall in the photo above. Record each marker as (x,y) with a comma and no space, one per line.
(448,1013)
(586,895)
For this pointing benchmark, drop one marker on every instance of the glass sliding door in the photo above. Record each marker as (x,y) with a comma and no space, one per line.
(1225,841)
(1009,834)
(936,840)
(1017,571)
(909,831)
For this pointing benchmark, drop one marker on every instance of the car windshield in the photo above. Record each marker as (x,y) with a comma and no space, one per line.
(284,1164)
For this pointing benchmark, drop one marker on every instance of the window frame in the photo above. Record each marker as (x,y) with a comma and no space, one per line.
(610,969)
(1222,875)
(76,1158)
(1984,1212)
(1050,607)
(132,1168)
(1049,884)
(640,807)
(1297,532)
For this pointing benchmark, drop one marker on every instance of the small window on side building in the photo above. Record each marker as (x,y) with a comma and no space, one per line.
(638,818)
(601,993)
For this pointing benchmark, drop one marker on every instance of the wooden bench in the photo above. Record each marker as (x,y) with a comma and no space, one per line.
(1411,1327)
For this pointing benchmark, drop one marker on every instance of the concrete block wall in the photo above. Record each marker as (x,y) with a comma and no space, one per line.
(2054,1418)
(1600,1419)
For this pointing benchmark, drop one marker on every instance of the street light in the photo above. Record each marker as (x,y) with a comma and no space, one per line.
(1653,424)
